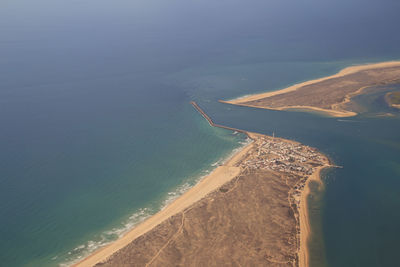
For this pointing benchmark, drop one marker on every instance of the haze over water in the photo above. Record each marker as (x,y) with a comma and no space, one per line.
(97,131)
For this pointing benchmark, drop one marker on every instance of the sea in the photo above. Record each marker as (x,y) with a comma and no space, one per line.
(97,132)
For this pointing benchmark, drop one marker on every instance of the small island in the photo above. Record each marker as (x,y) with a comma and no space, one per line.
(329,95)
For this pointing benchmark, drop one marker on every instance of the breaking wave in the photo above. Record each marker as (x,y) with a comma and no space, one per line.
(106,237)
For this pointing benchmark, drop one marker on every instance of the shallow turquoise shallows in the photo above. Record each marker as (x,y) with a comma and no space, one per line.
(97,132)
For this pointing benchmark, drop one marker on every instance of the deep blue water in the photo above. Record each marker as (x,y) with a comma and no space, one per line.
(97,131)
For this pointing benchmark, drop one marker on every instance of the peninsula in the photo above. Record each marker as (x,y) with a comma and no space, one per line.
(329,95)
(250,211)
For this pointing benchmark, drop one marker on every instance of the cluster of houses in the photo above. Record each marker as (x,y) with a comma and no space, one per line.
(280,155)
(283,156)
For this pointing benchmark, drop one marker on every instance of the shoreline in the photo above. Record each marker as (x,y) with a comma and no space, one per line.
(232,168)
(218,177)
(336,111)
(305,227)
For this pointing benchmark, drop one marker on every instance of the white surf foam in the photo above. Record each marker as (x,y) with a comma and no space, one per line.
(103,239)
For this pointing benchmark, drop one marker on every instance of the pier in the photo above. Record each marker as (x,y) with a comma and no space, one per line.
(211,122)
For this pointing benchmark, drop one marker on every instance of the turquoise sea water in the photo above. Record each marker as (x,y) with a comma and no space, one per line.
(97,131)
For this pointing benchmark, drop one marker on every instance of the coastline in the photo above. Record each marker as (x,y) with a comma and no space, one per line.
(305,228)
(218,177)
(232,168)
(336,111)
(222,175)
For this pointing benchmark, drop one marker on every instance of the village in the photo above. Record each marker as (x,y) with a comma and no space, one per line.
(271,153)
(284,156)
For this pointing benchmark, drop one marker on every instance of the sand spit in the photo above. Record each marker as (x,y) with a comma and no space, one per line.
(328,95)
(252,211)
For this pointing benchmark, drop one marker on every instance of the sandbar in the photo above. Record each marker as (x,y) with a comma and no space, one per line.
(328,95)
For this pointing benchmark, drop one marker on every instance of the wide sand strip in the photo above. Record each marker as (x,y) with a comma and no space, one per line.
(335,110)
(343,72)
(218,178)
(215,180)
(305,229)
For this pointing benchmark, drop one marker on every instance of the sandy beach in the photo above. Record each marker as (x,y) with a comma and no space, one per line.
(305,229)
(241,164)
(335,109)
(333,113)
(223,175)
(343,72)
(216,179)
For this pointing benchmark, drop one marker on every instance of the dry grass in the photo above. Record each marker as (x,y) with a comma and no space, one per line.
(329,94)
(247,222)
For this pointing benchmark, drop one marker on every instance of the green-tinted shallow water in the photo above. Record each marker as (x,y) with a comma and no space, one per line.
(97,131)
